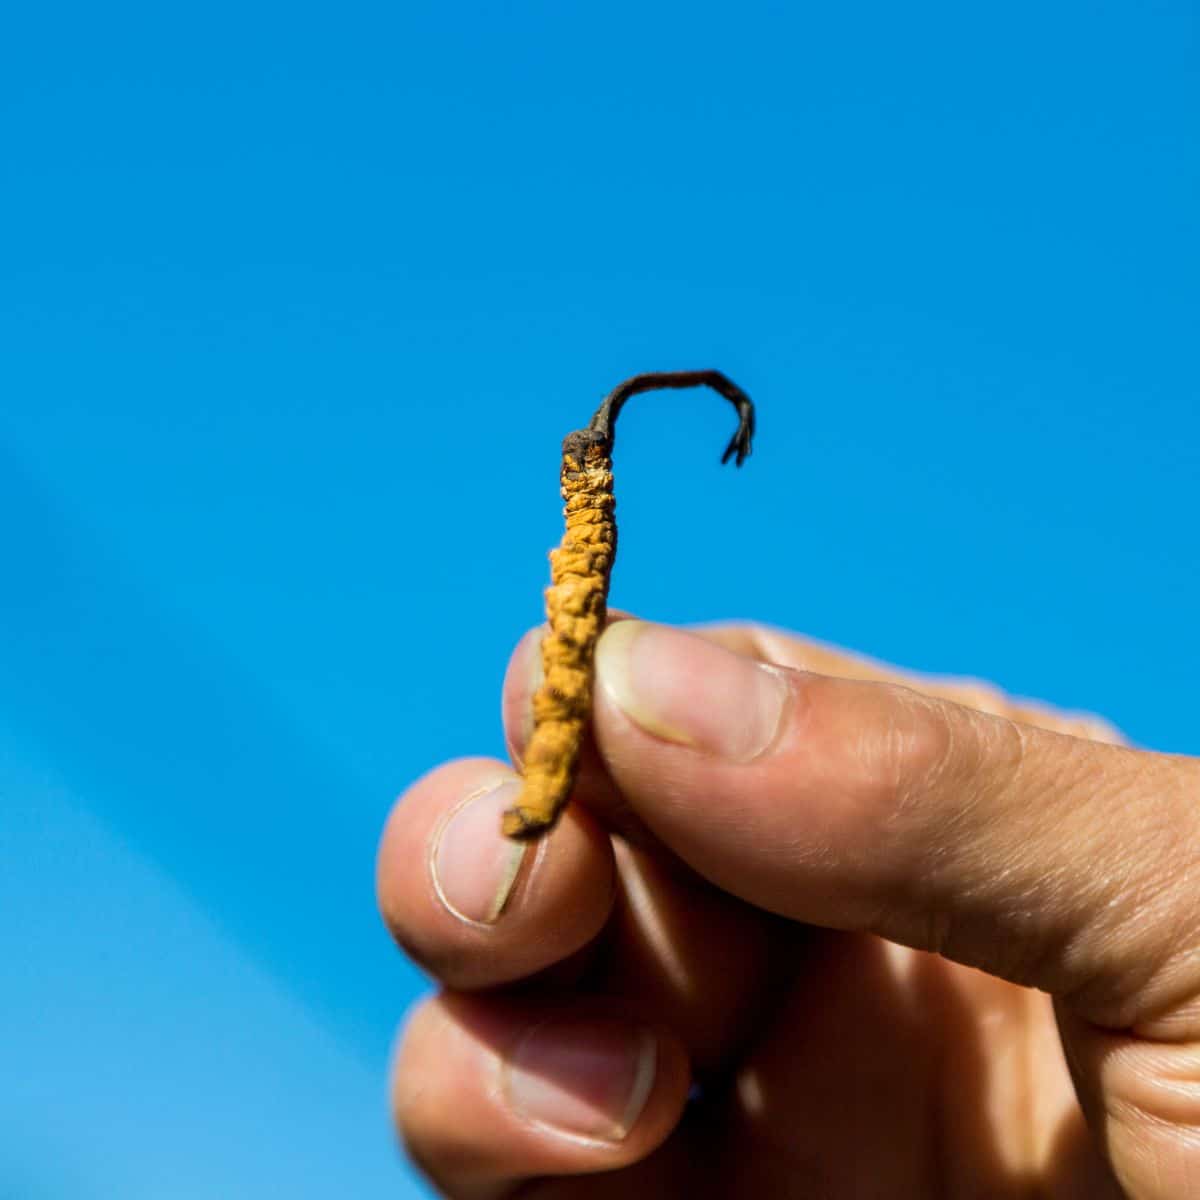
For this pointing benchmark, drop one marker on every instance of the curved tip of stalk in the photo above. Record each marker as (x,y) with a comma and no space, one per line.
(739,445)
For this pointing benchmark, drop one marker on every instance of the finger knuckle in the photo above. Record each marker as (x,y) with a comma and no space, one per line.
(904,751)
(981,695)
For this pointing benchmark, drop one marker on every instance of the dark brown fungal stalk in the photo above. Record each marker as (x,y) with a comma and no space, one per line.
(576,601)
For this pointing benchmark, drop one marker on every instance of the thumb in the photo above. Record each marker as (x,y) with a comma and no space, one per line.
(1048,860)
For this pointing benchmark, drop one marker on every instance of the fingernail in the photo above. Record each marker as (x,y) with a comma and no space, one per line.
(685,689)
(474,867)
(581,1077)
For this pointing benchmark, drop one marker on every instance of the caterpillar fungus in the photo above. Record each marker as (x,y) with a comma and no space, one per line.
(576,601)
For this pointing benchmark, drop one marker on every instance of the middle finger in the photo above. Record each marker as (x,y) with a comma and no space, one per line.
(473,907)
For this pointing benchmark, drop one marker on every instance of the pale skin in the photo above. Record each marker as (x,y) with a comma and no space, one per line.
(907,937)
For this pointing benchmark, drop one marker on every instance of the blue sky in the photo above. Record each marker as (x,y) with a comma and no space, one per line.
(296,304)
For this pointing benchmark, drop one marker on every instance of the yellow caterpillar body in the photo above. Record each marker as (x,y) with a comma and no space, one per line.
(576,602)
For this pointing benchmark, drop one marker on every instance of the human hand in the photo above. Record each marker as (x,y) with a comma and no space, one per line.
(905,947)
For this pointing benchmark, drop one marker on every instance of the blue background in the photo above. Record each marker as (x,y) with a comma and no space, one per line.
(296,303)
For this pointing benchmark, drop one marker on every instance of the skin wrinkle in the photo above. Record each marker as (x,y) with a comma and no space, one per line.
(943,755)
(1146,910)
(1074,953)
(1148,933)
(1181,1125)
(1023,907)
(1180,1019)
(919,767)
(939,932)
(1026,906)
(1180,875)
(786,719)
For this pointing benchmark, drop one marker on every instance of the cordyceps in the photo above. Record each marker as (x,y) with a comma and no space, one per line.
(576,601)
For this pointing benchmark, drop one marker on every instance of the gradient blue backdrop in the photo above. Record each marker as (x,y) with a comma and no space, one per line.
(296,302)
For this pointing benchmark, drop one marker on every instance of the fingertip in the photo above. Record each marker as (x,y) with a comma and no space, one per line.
(688,691)
(473,907)
(486,1089)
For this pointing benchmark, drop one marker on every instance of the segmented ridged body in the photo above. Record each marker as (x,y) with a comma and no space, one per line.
(575,610)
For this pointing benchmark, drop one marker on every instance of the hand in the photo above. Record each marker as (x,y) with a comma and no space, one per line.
(905,940)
